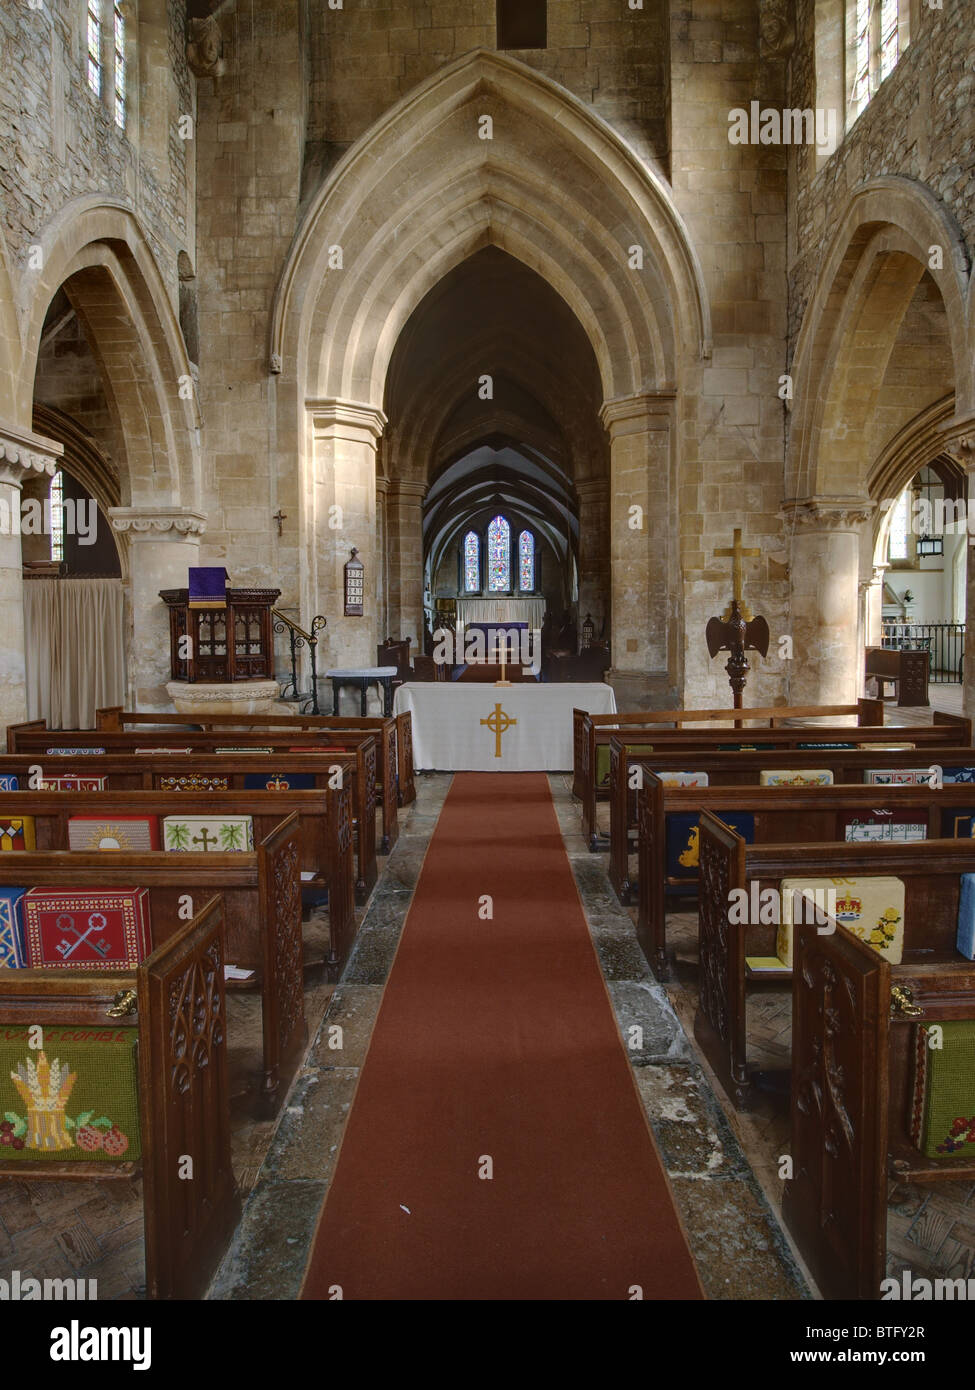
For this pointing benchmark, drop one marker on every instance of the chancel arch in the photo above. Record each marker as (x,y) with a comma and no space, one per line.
(415,199)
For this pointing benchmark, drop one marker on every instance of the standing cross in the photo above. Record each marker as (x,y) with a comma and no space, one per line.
(736,554)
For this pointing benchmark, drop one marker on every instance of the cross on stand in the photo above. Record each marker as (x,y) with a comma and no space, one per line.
(736,554)
(497,727)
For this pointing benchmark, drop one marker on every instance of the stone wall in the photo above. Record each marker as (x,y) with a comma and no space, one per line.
(362,59)
(730,452)
(58,141)
(919,124)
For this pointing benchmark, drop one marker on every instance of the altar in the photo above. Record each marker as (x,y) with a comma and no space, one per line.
(496,728)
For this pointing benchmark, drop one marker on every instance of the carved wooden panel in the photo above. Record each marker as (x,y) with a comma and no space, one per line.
(279,861)
(720,1022)
(618,838)
(190,1193)
(913,686)
(836,1203)
(341,890)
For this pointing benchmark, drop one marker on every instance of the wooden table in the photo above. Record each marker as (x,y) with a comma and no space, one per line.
(363,677)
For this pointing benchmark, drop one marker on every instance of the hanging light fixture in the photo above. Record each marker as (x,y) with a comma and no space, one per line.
(928,544)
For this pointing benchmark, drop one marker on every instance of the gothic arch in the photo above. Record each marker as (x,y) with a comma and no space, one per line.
(877,258)
(421,192)
(97,251)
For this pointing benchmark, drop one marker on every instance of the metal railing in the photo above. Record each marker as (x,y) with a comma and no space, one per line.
(945,642)
(298,639)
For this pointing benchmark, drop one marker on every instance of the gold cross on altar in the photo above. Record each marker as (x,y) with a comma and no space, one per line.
(497,727)
(736,554)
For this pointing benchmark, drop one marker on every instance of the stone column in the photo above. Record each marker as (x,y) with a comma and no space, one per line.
(342,515)
(827,660)
(404,517)
(645,593)
(163,543)
(960,443)
(23,455)
(594,579)
(873,607)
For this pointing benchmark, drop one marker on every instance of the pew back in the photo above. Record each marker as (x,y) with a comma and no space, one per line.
(184,1095)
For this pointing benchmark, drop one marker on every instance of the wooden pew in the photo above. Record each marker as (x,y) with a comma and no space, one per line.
(587,728)
(782,815)
(34,738)
(205,772)
(851,1093)
(948,731)
(394,734)
(184,1097)
(742,769)
(324,817)
(931,871)
(262,918)
(907,671)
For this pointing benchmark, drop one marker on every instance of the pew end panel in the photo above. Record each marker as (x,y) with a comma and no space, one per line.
(719,1023)
(184,1076)
(835,1204)
(285,1030)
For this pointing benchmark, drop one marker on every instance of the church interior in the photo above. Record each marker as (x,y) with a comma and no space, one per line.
(483,579)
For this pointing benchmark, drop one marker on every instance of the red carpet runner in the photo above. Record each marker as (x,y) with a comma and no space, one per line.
(496,1039)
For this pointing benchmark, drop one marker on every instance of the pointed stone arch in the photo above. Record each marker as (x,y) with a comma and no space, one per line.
(97,251)
(418,195)
(881,252)
(406,206)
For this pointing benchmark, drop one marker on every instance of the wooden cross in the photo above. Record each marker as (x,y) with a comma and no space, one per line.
(280,516)
(494,723)
(736,554)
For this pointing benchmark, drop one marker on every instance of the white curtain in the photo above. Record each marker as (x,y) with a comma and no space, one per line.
(500,610)
(75,652)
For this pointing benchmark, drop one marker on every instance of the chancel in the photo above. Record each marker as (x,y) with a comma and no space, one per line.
(412,417)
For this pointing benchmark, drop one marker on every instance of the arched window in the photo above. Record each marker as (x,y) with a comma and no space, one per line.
(499,555)
(57,516)
(526,562)
(472,563)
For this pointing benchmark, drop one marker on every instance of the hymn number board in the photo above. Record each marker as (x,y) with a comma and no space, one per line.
(354,573)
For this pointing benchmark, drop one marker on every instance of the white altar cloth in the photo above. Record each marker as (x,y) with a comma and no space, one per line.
(450,732)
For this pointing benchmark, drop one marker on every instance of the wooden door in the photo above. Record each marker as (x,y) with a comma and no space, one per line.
(835,1205)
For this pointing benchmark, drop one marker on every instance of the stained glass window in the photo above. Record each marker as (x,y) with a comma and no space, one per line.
(861,80)
(472,563)
(499,555)
(526,561)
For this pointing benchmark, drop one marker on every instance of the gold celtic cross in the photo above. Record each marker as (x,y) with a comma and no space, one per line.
(499,723)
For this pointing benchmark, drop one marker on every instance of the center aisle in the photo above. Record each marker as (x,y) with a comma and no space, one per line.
(496,1050)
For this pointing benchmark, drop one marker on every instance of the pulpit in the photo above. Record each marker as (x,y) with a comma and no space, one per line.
(230,644)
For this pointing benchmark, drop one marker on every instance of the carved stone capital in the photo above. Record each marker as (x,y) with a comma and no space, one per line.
(959,440)
(204,47)
(827,513)
(347,419)
(24,454)
(647,410)
(157,523)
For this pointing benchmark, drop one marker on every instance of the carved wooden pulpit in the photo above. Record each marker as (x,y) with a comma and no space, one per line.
(235,643)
